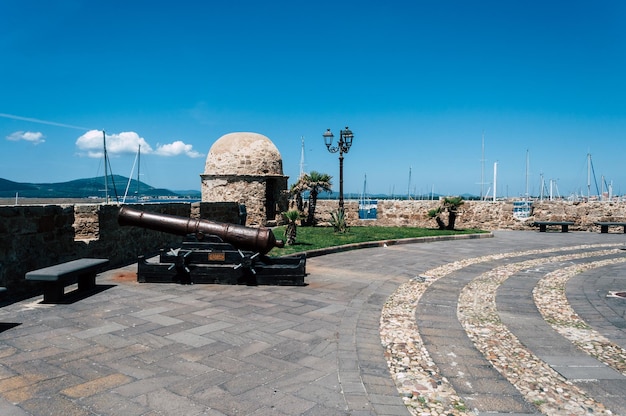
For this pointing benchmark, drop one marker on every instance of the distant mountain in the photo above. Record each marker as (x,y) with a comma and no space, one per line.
(10,186)
(84,188)
(189,193)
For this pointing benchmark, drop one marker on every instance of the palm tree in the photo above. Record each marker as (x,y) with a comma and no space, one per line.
(451,206)
(291,216)
(315,183)
(296,192)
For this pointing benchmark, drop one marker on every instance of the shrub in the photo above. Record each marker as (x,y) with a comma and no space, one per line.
(338,221)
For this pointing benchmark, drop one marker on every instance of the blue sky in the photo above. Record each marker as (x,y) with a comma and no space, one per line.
(418,82)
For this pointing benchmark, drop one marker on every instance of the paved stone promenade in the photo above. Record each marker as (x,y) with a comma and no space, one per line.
(161,349)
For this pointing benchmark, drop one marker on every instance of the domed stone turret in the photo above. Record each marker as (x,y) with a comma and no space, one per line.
(246,168)
(244,154)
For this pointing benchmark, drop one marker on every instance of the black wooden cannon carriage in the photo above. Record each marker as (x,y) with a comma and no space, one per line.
(214,252)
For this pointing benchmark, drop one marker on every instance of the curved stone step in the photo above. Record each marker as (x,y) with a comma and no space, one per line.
(449,356)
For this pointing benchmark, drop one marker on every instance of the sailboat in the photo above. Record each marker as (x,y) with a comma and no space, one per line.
(107,166)
(367,206)
(602,195)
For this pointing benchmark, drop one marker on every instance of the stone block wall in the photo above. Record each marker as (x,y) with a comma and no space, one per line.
(484,215)
(86,222)
(216,211)
(584,214)
(251,191)
(32,237)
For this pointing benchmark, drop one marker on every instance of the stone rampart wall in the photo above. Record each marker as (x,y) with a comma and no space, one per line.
(484,215)
(32,237)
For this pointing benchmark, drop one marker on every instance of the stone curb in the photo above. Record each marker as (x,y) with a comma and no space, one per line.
(382,243)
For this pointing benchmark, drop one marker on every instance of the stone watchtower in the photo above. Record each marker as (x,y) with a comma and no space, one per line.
(247,168)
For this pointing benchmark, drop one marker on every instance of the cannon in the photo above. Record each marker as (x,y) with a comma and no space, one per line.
(244,238)
(213,252)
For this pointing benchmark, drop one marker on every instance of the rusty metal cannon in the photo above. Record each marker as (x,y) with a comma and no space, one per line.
(213,252)
(244,238)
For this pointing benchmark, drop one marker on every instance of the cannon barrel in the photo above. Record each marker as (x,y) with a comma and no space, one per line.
(245,238)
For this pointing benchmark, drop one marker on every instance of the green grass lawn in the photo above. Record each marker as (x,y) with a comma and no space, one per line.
(313,238)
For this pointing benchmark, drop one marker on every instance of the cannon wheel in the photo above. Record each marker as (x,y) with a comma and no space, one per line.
(182,265)
(247,263)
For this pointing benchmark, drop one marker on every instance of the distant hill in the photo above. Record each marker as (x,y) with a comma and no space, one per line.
(10,186)
(85,188)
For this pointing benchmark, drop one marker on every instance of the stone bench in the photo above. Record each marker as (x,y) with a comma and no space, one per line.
(544,224)
(604,226)
(55,278)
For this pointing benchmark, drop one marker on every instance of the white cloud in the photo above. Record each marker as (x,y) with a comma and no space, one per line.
(29,136)
(92,145)
(177,148)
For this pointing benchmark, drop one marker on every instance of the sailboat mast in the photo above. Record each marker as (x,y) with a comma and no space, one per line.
(495,180)
(551,193)
(527,164)
(131,175)
(601,197)
(408,190)
(363,195)
(138,166)
(588,175)
(302,158)
(106,172)
(482,169)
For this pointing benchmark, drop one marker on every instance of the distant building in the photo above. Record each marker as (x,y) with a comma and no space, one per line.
(247,168)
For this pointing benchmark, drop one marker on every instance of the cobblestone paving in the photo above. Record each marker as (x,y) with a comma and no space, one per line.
(515,324)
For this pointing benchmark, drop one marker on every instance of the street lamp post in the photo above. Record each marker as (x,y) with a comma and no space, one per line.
(343,146)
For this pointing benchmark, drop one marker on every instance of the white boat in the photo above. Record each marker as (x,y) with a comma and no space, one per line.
(522,209)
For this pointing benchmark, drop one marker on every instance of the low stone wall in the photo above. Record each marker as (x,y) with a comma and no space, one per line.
(32,237)
(584,214)
(484,215)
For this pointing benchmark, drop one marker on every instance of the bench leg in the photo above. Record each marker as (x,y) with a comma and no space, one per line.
(542,228)
(604,229)
(86,281)
(565,228)
(53,292)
